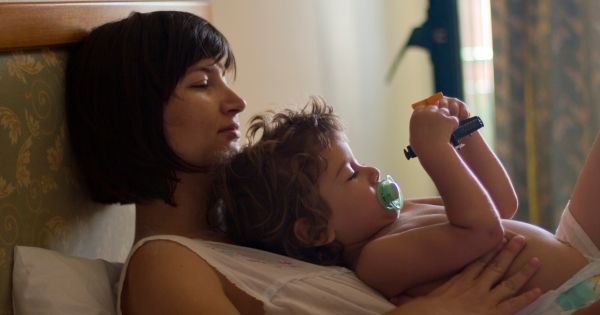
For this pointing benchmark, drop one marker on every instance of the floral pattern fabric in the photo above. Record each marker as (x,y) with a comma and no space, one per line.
(42,202)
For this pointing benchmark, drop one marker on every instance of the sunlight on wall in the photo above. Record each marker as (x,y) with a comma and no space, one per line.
(340,49)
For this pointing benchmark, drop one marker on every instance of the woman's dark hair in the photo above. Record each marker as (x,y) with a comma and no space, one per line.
(273,182)
(118,80)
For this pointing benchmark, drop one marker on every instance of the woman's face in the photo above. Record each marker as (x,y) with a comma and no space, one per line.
(201,119)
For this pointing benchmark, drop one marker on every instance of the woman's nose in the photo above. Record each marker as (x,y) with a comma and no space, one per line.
(233,104)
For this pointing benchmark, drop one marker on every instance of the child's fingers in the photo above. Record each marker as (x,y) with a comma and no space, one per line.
(445,106)
(453,106)
(433,114)
(445,111)
(443,102)
(432,108)
(462,112)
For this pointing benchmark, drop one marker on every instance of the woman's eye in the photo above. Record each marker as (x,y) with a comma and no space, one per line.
(200,85)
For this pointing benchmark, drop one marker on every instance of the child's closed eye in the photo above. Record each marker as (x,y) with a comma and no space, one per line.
(353,176)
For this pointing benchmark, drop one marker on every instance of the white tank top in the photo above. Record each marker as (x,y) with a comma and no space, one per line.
(284,285)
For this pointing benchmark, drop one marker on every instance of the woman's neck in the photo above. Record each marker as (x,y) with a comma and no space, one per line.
(188,218)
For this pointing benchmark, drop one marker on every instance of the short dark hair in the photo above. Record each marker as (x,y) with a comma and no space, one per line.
(273,182)
(118,80)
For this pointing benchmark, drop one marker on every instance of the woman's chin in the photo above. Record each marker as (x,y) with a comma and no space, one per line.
(226,150)
(233,147)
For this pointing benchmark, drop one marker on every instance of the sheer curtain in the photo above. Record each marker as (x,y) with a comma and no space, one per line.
(547,85)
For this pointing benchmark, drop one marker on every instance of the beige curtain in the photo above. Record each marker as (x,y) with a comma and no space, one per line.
(547,83)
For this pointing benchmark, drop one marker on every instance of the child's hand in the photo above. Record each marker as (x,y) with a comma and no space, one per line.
(456,107)
(431,125)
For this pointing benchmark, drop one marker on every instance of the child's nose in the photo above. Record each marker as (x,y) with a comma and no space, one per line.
(373,174)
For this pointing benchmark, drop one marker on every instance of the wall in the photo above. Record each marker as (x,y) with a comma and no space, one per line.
(340,49)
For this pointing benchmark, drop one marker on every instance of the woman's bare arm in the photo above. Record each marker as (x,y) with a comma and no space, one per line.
(164,277)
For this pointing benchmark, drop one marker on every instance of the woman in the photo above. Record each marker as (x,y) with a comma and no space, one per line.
(149,111)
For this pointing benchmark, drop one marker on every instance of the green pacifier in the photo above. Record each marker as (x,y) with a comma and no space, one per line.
(389,194)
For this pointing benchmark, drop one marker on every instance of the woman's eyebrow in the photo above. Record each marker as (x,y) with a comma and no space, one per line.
(215,67)
(206,69)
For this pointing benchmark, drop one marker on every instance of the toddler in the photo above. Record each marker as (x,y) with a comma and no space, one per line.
(297,189)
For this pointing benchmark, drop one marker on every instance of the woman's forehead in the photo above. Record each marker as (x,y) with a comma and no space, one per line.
(206,64)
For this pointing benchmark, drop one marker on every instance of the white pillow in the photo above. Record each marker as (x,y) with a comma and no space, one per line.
(48,282)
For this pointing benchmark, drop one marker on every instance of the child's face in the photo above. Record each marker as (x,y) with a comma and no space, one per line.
(350,191)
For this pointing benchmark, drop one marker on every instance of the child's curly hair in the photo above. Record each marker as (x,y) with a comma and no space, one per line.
(272,183)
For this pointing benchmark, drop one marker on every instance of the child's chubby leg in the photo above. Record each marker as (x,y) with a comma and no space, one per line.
(585,201)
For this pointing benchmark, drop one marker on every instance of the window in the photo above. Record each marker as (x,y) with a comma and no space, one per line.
(477,61)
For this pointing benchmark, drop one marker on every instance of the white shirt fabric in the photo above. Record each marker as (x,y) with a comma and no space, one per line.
(284,285)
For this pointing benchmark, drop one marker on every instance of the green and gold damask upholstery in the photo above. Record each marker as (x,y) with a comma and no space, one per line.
(42,202)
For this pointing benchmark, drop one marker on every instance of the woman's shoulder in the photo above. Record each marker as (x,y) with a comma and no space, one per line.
(161,272)
(163,254)
(161,262)
(163,250)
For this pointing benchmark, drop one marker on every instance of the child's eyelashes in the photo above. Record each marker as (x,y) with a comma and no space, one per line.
(353,176)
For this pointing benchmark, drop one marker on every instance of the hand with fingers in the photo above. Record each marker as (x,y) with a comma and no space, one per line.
(456,107)
(430,126)
(480,288)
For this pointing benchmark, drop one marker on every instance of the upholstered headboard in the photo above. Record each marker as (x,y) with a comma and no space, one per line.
(41,201)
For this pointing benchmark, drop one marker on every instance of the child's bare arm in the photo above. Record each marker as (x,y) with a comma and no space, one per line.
(428,200)
(466,201)
(395,263)
(490,171)
(485,164)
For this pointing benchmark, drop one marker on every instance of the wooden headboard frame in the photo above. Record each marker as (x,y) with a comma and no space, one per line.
(25,25)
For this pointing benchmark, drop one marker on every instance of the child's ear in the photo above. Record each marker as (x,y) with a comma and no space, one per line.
(301,229)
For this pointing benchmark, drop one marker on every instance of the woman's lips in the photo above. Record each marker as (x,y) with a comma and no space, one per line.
(232,130)
(231,127)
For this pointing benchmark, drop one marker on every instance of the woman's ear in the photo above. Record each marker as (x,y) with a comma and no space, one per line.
(302,229)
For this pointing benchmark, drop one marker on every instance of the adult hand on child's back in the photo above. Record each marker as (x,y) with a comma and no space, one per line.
(476,290)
